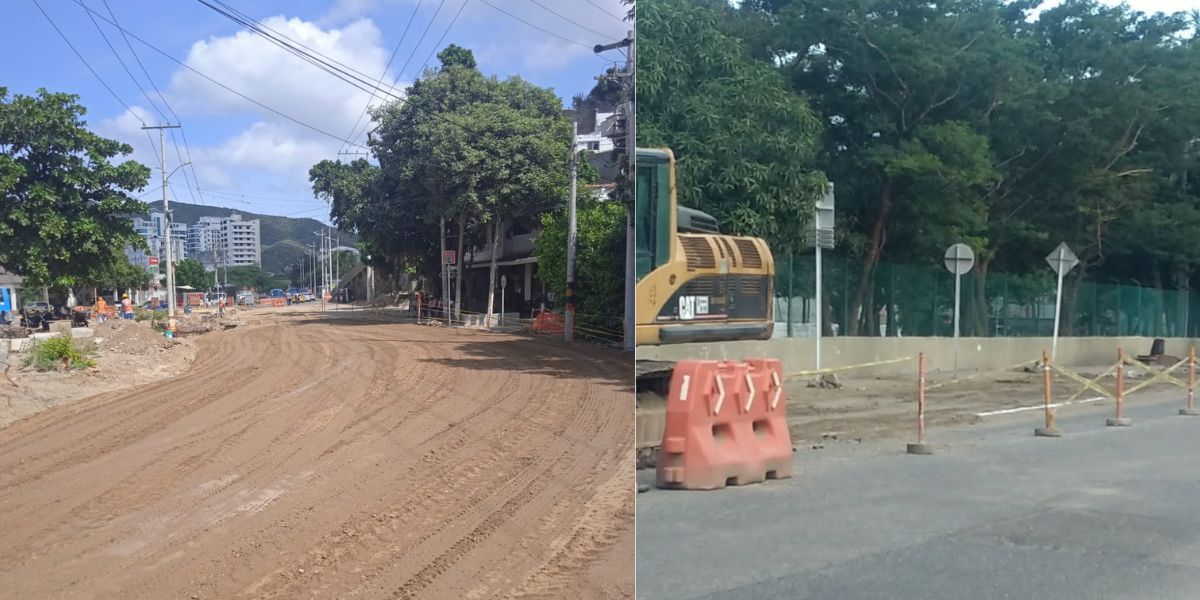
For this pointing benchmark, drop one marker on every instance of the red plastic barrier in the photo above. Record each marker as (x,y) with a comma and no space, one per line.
(725,425)
(549,322)
(768,414)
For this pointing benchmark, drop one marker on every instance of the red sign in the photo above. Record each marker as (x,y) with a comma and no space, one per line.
(153,261)
(449,256)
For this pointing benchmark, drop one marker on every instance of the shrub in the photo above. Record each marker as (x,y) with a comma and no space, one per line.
(60,352)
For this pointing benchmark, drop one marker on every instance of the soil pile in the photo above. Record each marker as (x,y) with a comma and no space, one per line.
(130,337)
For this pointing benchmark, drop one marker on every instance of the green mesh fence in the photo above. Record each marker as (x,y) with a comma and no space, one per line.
(909,300)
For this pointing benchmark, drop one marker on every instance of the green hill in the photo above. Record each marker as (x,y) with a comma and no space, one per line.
(272,229)
(280,256)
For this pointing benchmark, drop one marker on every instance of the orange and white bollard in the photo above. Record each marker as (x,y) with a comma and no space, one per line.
(1050,430)
(1120,420)
(1191,389)
(921,447)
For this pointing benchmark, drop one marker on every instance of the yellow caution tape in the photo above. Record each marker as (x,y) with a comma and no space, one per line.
(970,377)
(848,367)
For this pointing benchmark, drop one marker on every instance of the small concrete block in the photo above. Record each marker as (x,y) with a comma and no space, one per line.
(82,332)
(45,335)
(920,449)
(60,326)
(1051,432)
(1189,412)
(1121,422)
(19,344)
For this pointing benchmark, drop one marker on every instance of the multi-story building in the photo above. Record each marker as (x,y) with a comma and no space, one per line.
(227,241)
(239,242)
(598,139)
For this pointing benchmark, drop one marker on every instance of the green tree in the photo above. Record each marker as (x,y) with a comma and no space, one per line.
(118,274)
(599,261)
(191,273)
(745,143)
(65,205)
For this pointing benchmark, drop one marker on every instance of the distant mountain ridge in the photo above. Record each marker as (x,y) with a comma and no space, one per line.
(284,239)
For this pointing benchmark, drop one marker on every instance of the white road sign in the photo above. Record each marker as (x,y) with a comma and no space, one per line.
(1062,260)
(960,259)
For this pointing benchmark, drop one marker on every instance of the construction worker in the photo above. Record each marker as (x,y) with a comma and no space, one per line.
(126,307)
(101,309)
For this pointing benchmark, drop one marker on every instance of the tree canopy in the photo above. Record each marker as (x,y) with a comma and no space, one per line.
(66,205)
(461,146)
(976,121)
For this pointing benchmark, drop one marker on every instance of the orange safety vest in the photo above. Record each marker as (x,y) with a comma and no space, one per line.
(101,305)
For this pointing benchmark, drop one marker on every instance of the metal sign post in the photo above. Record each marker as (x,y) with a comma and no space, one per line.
(822,238)
(1062,260)
(959,261)
(503,285)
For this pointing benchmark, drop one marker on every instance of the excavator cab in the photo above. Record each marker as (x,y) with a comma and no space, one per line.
(693,284)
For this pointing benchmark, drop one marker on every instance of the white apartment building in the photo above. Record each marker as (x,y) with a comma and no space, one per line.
(596,140)
(227,241)
(239,242)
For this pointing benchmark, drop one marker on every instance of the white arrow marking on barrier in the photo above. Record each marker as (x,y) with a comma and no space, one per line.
(720,394)
(778,389)
(683,389)
(750,397)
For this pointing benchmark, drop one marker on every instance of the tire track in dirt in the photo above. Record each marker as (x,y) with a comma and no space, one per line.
(383,460)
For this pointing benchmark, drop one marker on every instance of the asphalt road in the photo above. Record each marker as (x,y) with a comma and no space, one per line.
(995,513)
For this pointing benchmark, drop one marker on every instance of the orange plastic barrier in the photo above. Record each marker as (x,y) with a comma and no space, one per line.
(768,414)
(726,424)
(549,322)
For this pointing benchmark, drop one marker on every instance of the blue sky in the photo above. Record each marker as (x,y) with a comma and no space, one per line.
(245,157)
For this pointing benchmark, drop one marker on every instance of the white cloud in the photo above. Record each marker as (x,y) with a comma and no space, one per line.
(269,147)
(257,68)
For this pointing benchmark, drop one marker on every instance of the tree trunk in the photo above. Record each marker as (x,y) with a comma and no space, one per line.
(826,315)
(1071,301)
(462,222)
(981,299)
(870,260)
(495,238)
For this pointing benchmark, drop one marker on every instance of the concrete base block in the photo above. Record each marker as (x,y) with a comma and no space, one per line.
(1189,412)
(1051,432)
(19,344)
(1121,422)
(45,335)
(82,332)
(60,326)
(920,449)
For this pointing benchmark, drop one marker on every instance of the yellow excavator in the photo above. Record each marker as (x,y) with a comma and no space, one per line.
(693,285)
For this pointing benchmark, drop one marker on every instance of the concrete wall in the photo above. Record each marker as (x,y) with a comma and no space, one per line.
(798,354)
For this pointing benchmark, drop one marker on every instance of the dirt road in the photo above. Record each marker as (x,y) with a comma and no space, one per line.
(303,456)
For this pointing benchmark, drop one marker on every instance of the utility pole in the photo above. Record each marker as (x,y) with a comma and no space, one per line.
(569,329)
(630,119)
(162,156)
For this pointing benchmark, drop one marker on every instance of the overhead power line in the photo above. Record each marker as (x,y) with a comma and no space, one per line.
(541,29)
(218,83)
(438,43)
(333,67)
(395,51)
(141,89)
(315,58)
(568,19)
(605,11)
(182,133)
(86,63)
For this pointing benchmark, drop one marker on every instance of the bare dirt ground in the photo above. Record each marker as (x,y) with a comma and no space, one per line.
(130,355)
(885,407)
(308,455)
